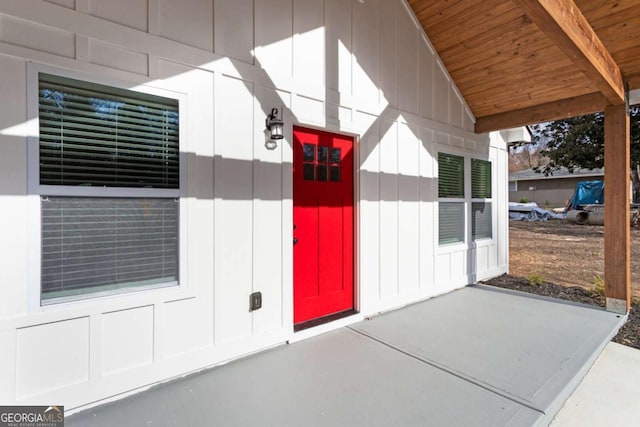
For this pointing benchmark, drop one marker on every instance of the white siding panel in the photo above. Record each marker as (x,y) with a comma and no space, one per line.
(13,187)
(267,248)
(482,259)
(7,365)
(425,79)
(234,120)
(428,230)
(388,209)
(468,120)
(63,345)
(36,36)
(442,269)
(369,232)
(338,45)
(267,221)
(428,240)
(309,110)
(308,42)
(113,56)
(459,267)
(127,339)
(185,327)
(273,33)
(408,211)
(365,51)
(186,21)
(441,138)
(441,93)
(234,208)
(234,29)
(492,259)
(455,108)
(70,4)
(388,53)
(407,46)
(502,197)
(132,13)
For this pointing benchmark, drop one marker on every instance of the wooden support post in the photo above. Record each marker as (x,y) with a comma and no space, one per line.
(617,238)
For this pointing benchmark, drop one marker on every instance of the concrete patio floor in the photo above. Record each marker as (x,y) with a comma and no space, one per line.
(479,356)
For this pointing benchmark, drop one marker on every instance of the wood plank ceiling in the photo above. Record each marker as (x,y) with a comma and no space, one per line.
(524,61)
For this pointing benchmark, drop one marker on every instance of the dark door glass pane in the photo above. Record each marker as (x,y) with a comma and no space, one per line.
(322,172)
(308,172)
(308,152)
(334,173)
(323,154)
(334,155)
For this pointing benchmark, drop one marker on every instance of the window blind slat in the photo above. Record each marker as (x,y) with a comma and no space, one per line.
(450,222)
(480,179)
(450,176)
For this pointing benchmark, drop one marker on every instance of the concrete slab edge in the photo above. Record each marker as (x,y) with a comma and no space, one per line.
(538,297)
(554,407)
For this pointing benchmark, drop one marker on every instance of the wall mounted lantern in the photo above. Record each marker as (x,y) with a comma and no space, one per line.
(275,125)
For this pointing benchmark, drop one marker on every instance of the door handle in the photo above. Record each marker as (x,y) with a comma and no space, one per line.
(295,240)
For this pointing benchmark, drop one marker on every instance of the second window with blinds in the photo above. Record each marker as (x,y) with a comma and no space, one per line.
(453,200)
(109,181)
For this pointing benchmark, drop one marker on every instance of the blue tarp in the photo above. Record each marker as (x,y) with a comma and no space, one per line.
(587,193)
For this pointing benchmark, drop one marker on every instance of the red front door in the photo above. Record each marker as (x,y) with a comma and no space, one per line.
(323,224)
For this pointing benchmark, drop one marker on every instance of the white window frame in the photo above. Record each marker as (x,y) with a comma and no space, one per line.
(177,289)
(452,200)
(482,200)
(468,241)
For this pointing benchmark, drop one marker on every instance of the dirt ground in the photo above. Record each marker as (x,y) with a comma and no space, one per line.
(567,254)
(566,261)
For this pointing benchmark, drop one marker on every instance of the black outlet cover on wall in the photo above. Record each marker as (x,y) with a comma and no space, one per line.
(255,301)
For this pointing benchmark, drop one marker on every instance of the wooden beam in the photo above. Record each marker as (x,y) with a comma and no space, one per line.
(617,239)
(579,105)
(563,22)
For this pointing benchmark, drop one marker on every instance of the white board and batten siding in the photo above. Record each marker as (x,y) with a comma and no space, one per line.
(360,68)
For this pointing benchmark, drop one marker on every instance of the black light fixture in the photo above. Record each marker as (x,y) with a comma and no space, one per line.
(274,124)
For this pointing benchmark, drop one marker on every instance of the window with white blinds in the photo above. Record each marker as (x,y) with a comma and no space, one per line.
(97,244)
(451,206)
(481,213)
(93,135)
(454,203)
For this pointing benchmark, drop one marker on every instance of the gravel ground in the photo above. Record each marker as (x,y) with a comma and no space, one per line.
(628,335)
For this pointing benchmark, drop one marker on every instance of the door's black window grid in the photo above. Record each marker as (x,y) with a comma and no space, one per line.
(323,167)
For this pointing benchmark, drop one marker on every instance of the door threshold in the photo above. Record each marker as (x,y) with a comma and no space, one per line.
(322,320)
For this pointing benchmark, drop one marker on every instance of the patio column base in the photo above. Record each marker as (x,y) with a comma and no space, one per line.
(618,306)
